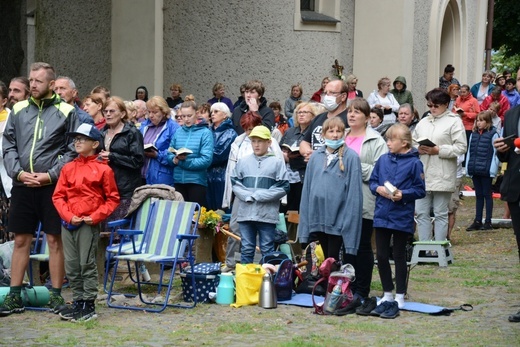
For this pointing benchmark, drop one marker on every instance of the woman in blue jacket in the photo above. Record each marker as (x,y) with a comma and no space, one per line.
(190,170)
(223,135)
(157,134)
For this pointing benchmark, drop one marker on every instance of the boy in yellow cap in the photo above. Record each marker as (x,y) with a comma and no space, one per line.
(259,182)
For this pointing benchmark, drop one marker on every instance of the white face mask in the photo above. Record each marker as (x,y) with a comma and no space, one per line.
(329,101)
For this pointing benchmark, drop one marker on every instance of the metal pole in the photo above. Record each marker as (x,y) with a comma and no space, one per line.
(489,33)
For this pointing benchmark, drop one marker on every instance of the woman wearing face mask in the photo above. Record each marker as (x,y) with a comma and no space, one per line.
(368,144)
(383,99)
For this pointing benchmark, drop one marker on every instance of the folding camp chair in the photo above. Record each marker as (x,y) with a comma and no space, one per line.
(169,234)
(40,252)
(137,221)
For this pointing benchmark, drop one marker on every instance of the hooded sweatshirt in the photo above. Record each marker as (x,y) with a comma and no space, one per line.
(402,96)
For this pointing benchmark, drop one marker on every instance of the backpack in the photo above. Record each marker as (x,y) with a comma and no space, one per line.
(308,274)
(338,293)
(283,280)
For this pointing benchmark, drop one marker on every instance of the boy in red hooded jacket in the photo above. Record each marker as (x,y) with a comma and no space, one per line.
(85,195)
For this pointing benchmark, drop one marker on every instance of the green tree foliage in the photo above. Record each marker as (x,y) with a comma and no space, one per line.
(505,26)
(501,61)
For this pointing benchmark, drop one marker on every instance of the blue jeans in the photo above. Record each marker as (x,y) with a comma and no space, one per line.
(249,231)
(482,186)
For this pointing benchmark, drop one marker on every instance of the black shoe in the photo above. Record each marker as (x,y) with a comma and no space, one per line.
(391,312)
(382,307)
(85,313)
(12,304)
(477,225)
(487,226)
(56,303)
(515,318)
(69,311)
(368,305)
(350,308)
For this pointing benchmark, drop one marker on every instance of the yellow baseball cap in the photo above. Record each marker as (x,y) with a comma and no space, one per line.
(261,131)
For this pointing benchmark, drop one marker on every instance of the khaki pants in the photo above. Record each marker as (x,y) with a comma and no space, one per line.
(80,248)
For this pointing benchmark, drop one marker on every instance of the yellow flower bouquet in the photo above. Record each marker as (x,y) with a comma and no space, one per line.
(209,219)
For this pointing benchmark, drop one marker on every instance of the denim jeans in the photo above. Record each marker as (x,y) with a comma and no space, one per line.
(249,231)
(439,201)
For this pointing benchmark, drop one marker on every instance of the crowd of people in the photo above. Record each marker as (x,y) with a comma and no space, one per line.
(348,165)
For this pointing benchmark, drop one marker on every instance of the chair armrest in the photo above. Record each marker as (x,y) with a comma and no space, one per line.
(117,223)
(129,232)
(187,237)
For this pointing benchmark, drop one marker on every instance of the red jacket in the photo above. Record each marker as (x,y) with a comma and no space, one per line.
(502,100)
(86,187)
(317,96)
(471,108)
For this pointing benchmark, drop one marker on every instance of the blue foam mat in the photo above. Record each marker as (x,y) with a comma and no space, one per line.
(303,300)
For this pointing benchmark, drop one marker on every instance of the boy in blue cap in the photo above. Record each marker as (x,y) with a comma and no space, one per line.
(86,194)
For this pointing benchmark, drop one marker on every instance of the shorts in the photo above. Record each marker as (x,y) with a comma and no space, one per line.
(454,202)
(29,206)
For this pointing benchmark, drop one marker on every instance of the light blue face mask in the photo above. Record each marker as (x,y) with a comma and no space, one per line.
(334,144)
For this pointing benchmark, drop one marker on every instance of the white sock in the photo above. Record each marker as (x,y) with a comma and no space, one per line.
(400,300)
(386,297)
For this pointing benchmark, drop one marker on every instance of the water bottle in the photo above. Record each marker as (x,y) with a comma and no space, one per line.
(334,297)
(145,275)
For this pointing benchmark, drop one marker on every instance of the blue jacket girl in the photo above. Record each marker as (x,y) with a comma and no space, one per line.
(405,171)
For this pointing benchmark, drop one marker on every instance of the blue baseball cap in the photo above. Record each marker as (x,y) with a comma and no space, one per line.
(87,130)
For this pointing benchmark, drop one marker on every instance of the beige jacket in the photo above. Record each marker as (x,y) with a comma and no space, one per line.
(447,132)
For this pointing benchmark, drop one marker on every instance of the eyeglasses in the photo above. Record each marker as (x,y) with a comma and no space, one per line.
(433,105)
(109,111)
(303,112)
(178,117)
(329,93)
(80,140)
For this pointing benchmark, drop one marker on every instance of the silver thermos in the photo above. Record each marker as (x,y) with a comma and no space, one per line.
(267,296)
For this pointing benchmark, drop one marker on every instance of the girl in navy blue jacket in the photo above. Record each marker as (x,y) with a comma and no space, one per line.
(482,165)
(395,208)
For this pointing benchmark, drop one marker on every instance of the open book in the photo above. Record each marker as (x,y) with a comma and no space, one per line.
(150,147)
(424,141)
(180,150)
(459,110)
(291,148)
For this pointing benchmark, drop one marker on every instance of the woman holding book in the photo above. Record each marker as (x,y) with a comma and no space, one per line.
(157,136)
(467,107)
(304,113)
(190,169)
(446,132)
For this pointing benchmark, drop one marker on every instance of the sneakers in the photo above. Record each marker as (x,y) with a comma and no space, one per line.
(12,304)
(487,226)
(69,311)
(514,318)
(382,307)
(368,306)
(350,308)
(56,303)
(85,313)
(477,225)
(391,312)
